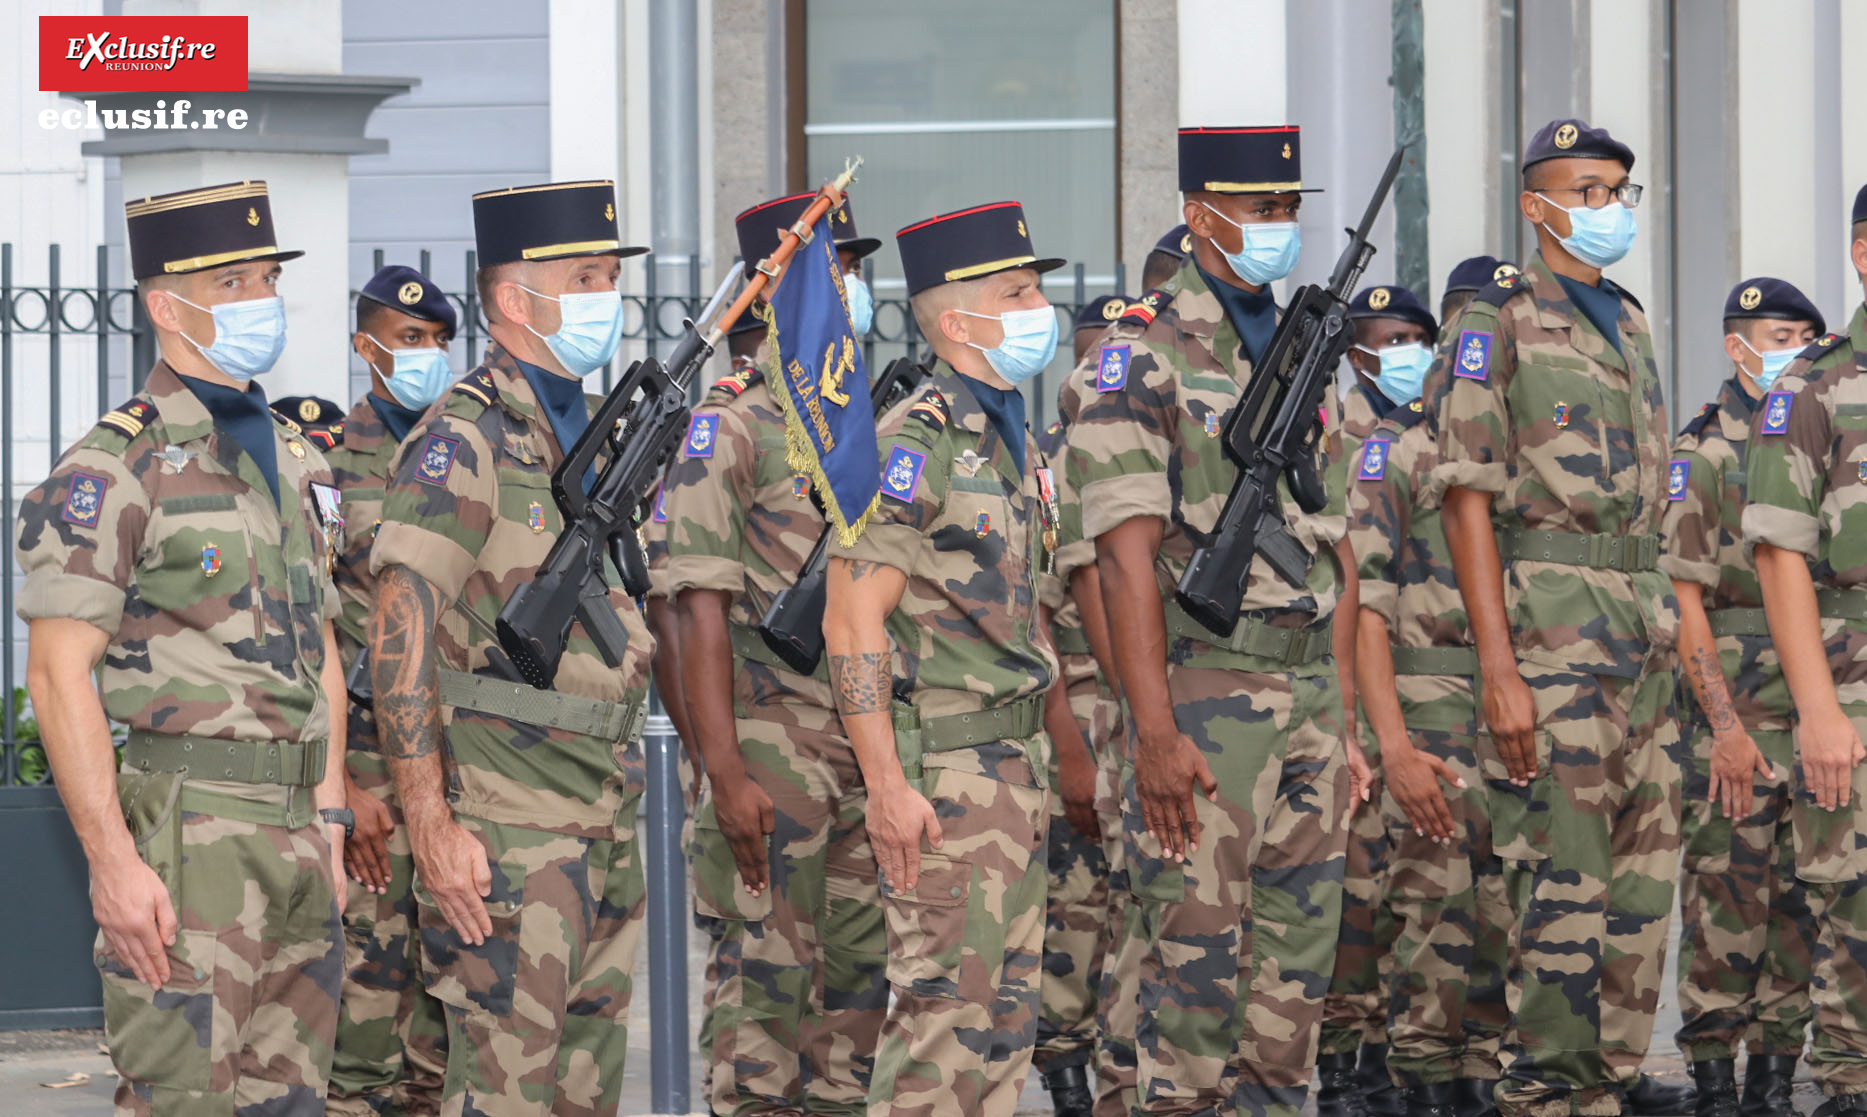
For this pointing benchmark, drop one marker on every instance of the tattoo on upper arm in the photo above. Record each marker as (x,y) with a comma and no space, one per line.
(402,665)
(861,682)
(1704,666)
(859,569)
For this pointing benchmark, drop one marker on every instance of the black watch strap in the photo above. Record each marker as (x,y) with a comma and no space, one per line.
(341,816)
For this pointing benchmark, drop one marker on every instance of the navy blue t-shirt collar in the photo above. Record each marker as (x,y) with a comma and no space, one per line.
(243,414)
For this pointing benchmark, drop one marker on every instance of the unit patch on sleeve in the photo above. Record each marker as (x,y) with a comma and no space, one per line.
(437,459)
(700,432)
(1112,368)
(903,474)
(1676,474)
(85,502)
(1474,360)
(1373,460)
(1776,412)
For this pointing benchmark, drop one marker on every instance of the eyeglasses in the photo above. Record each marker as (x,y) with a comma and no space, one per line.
(1596,195)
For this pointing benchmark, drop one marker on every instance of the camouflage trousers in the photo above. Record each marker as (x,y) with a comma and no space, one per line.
(799,990)
(1746,955)
(245,1022)
(965,947)
(1452,927)
(537,1015)
(1831,861)
(712,928)
(1239,940)
(391,1035)
(1352,1012)
(1118,1007)
(1590,849)
(1077,930)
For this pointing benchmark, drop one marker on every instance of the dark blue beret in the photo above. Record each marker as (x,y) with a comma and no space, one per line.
(1177,243)
(1478,272)
(317,419)
(1393,302)
(968,244)
(1101,311)
(400,287)
(1569,138)
(1765,297)
(1860,206)
(1242,160)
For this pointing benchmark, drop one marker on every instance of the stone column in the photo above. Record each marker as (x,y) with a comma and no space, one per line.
(1148,40)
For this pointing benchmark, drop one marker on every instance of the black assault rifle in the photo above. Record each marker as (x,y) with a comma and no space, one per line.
(1272,432)
(792,626)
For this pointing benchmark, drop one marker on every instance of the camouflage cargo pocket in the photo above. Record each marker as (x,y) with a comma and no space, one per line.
(1830,848)
(718,891)
(1520,816)
(468,977)
(1707,831)
(927,927)
(163,1037)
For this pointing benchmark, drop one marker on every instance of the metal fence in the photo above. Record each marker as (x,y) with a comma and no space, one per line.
(98,332)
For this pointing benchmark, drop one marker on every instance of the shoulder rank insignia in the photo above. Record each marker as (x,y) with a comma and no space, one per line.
(1821,345)
(288,423)
(131,418)
(1676,474)
(84,502)
(1112,368)
(479,386)
(1373,459)
(1502,290)
(328,439)
(734,384)
(1699,422)
(1474,355)
(1776,412)
(701,431)
(932,410)
(437,459)
(1145,309)
(903,474)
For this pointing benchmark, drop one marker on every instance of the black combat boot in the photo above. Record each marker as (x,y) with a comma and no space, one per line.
(1069,1091)
(1337,1094)
(1717,1088)
(1378,1093)
(1477,1097)
(1843,1105)
(1649,1097)
(1440,1099)
(1767,1083)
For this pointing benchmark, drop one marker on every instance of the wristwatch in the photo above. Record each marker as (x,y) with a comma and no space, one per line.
(341,816)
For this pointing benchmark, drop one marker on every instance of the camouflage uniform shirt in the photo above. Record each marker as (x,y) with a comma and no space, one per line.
(160,530)
(469,509)
(1533,405)
(967,530)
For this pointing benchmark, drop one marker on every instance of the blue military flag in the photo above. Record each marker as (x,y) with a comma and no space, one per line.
(823,385)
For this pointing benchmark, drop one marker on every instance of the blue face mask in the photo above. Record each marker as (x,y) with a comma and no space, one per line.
(1403,370)
(1598,237)
(419,376)
(861,304)
(1030,342)
(249,335)
(1774,361)
(1267,253)
(590,330)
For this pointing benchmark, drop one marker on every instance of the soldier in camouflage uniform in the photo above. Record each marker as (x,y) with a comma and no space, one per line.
(390,1033)
(1552,444)
(781,853)
(1394,335)
(529,875)
(1468,277)
(939,662)
(1805,517)
(1747,950)
(181,551)
(1445,889)
(1236,804)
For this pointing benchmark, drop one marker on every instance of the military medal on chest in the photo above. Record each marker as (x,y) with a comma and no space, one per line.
(800,487)
(1562,416)
(1047,502)
(210,560)
(535,518)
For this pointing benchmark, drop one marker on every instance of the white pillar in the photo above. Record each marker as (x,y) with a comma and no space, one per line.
(1774,118)
(1462,172)
(1232,62)
(1853,141)
(586,90)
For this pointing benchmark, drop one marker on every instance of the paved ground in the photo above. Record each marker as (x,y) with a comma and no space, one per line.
(29,1061)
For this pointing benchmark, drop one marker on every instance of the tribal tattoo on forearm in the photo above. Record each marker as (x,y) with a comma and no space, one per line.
(861,682)
(1708,673)
(402,665)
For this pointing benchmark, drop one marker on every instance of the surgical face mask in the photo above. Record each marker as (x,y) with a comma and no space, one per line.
(1267,253)
(1403,370)
(1774,361)
(1597,237)
(249,335)
(419,376)
(1030,342)
(590,330)
(861,303)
